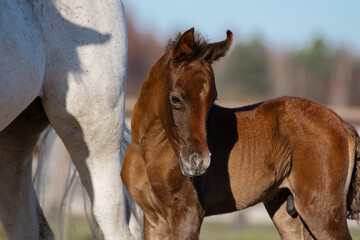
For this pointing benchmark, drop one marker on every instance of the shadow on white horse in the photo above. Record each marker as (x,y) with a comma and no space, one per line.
(63,63)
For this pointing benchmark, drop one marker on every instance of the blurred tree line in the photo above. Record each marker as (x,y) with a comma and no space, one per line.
(252,71)
(317,71)
(143,51)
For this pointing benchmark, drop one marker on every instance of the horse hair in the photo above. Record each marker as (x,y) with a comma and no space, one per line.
(199,49)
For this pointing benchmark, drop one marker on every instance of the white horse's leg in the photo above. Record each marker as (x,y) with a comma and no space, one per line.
(93,139)
(20,212)
(84,93)
(86,109)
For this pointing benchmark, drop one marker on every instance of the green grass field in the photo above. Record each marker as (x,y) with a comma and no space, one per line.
(214,231)
(209,231)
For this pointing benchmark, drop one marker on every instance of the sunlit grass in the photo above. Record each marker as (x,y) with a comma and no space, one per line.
(79,230)
(215,231)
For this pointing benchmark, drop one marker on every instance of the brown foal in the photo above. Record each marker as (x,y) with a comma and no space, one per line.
(296,156)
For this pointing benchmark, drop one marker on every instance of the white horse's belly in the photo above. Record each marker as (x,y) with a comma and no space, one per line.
(22,59)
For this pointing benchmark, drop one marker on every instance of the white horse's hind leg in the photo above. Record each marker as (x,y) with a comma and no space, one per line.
(20,212)
(88,115)
(84,99)
(95,152)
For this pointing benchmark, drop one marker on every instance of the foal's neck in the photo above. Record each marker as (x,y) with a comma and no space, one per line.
(147,125)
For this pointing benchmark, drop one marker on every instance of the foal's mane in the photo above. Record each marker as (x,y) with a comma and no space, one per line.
(199,48)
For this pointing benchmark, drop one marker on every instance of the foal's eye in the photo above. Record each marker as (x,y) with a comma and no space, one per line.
(175,100)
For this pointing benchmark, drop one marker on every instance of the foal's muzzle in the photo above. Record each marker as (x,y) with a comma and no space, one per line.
(195,165)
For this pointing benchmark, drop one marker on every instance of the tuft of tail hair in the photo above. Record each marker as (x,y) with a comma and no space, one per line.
(353,198)
(134,213)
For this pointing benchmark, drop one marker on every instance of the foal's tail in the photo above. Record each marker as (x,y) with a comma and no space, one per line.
(353,198)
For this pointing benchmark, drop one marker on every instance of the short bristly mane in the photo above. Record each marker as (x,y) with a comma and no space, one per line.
(199,49)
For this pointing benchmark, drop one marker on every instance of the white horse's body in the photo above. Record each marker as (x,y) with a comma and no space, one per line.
(72,55)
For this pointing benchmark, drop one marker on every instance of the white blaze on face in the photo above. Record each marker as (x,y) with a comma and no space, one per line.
(203,91)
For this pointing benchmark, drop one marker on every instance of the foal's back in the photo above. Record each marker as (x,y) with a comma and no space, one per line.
(285,142)
(264,142)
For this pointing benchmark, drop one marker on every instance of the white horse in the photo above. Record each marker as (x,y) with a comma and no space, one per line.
(62,62)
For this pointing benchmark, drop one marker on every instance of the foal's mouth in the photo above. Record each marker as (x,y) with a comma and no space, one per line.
(194,165)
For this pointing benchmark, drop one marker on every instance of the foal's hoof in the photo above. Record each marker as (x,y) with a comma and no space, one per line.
(290,206)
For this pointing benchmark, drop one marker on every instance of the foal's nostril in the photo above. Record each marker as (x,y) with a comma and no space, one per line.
(196,162)
(193,160)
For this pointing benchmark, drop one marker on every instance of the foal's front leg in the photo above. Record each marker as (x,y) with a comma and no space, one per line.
(156,227)
(181,220)
(179,203)
(168,198)
(187,215)
(183,223)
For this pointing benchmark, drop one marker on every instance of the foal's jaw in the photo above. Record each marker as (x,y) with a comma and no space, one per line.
(194,165)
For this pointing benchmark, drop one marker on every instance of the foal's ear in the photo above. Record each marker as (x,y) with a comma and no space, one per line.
(218,49)
(185,45)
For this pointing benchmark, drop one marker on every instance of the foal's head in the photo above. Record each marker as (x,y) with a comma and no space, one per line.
(189,93)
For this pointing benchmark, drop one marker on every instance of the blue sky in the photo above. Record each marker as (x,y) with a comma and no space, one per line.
(281,23)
